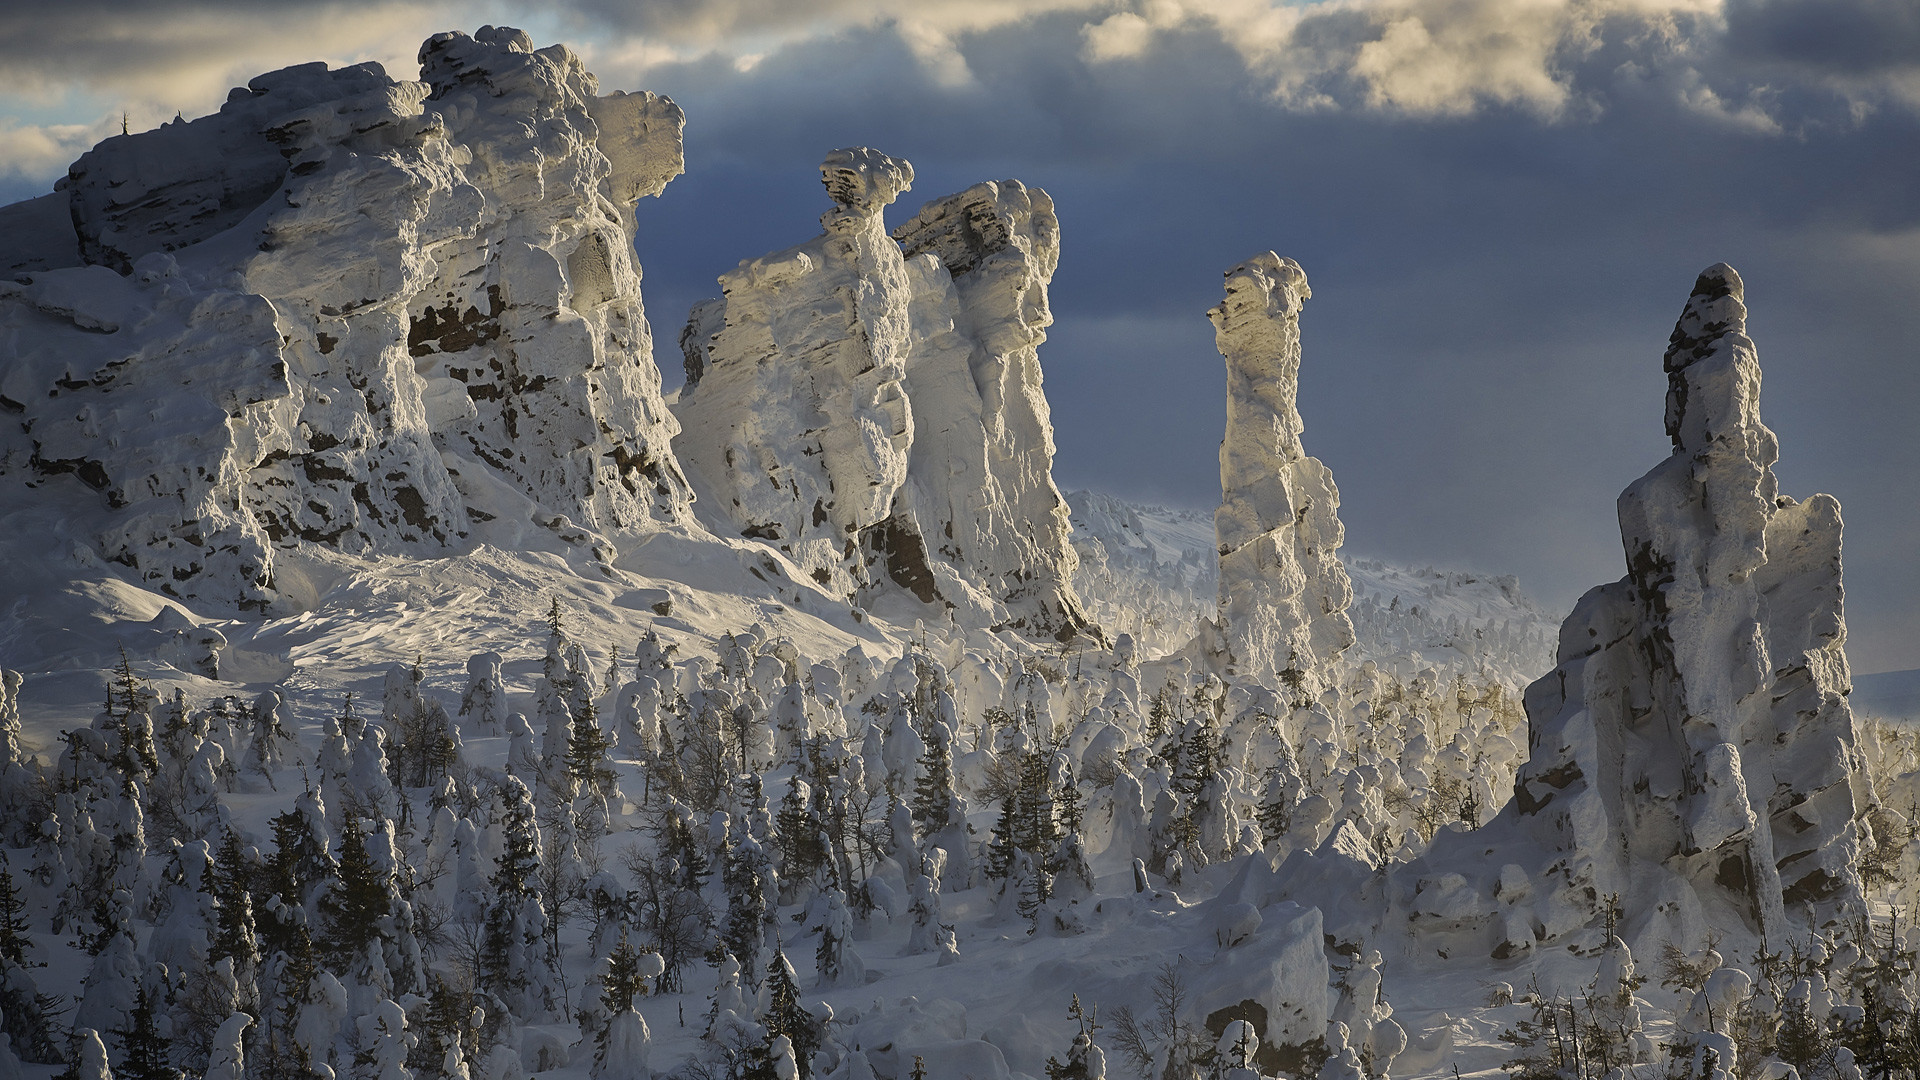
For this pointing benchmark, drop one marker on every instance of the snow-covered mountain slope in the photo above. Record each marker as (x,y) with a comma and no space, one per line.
(528,772)
(1888,695)
(1151,571)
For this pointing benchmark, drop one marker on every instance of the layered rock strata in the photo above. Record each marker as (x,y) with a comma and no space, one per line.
(876,413)
(1698,716)
(1282,617)
(347,310)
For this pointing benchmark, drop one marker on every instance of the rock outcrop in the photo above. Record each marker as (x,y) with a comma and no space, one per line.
(980,475)
(1698,716)
(876,413)
(353,311)
(1283,591)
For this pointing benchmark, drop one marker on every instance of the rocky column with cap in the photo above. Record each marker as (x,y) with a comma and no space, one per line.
(1283,592)
(1698,713)
(794,414)
(981,471)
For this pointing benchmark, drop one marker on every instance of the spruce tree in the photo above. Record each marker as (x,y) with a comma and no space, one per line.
(514,919)
(587,750)
(1035,831)
(787,1017)
(351,912)
(797,834)
(145,1053)
(292,970)
(747,909)
(1069,804)
(933,791)
(299,870)
(234,931)
(622,982)
(14,929)
(445,1024)
(1001,846)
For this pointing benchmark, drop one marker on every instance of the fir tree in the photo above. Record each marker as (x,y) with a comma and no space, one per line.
(351,912)
(933,791)
(14,929)
(145,1052)
(587,750)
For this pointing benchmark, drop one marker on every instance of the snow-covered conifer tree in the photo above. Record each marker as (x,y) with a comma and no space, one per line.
(90,1056)
(835,959)
(514,962)
(229,1057)
(384,1032)
(745,876)
(272,744)
(485,699)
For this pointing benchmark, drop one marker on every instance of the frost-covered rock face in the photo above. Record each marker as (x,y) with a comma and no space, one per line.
(352,304)
(1698,714)
(1283,591)
(981,470)
(876,413)
(795,410)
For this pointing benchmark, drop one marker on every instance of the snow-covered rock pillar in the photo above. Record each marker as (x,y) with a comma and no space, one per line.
(982,462)
(795,414)
(1283,591)
(1698,714)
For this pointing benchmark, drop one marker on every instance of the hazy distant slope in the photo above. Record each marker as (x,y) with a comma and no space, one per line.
(1150,571)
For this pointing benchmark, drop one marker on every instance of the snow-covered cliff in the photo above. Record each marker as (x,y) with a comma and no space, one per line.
(876,412)
(980,476)
(1698,719)
(1283,592)
(343,308)
(795,411)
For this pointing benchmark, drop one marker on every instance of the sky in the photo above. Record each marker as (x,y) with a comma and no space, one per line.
(1501,206)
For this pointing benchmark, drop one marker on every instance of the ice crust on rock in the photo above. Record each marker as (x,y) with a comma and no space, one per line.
(349,302)
(980,477)
(795,410)
(1283,590)
(1698,716)
(871,405)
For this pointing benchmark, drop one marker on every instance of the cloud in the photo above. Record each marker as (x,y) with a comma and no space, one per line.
(1418,58)
(719,24)
(30,153)
(93,63)
(1836,36)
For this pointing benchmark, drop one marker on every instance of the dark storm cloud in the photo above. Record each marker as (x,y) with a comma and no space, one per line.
(1839,36)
